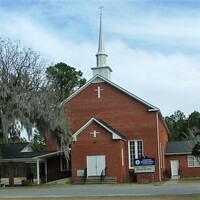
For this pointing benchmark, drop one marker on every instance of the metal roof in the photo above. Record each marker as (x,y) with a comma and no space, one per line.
(14,151)
(179,147)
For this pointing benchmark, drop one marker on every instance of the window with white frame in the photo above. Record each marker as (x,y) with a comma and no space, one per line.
(193,161)
(135,151)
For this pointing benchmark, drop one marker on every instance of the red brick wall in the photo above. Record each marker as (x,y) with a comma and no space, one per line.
(87,145)
(145,178)
(115,108)
(51,144)
(125,114)
(54,170)
(163,132)
(185,171)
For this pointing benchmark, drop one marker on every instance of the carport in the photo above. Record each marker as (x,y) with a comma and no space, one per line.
(23,159)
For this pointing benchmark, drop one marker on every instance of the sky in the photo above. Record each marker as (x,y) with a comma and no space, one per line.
(153,46)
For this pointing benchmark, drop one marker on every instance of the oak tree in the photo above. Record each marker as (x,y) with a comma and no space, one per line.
(27,101)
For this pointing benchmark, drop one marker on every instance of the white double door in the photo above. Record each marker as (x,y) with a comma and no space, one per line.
(95,165)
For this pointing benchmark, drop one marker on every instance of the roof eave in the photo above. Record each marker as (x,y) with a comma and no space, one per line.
(180,153)
(119,137)
(151,107)
(48,155)
(18,160)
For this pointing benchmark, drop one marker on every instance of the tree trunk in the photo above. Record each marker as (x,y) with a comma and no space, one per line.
(11,173)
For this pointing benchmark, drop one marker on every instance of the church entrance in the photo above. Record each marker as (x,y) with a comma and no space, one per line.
(95,165)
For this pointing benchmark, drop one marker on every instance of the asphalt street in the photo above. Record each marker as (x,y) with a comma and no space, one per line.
(101,190)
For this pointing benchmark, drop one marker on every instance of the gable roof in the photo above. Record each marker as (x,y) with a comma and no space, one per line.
(179,147)
(18,151)
(29,148)
(115,134)
(12,150)
(100,79)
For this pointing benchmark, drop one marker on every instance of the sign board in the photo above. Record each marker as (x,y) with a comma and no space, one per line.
(144,165)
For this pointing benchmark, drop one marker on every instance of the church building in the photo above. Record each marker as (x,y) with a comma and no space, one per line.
(114,130)
(117,137)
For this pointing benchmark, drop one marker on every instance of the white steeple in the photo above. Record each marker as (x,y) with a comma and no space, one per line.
(101,54)
(102,68)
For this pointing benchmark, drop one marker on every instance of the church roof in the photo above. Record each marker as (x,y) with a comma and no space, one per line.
(98,79)
(179,147)
(115,134)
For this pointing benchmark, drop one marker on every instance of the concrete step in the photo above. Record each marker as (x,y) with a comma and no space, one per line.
(95,180)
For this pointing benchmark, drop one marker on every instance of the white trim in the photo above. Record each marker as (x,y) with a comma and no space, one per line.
(135,149)
(82,128)
(161,155)
(48,155)
(195,161)
(102,79)
(28,148)
(114,135)
(38,172)
(122,152)
(129,157)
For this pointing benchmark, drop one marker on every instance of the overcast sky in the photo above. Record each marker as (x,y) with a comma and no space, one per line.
(153,46)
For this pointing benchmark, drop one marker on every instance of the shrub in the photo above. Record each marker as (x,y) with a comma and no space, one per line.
(25,182)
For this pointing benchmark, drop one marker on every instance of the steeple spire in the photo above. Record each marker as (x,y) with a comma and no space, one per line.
(101,54)
(102,68)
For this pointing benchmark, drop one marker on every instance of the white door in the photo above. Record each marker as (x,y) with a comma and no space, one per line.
(95,165)
(174,167)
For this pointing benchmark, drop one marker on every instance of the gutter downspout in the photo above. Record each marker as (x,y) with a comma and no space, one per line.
(158,140)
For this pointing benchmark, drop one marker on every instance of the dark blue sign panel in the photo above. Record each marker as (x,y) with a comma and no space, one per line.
(144,165)
(144,161)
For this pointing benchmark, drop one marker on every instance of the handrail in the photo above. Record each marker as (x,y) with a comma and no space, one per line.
(84,175)
(103,174)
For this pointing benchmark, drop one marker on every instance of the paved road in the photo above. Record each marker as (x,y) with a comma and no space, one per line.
(101,190)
